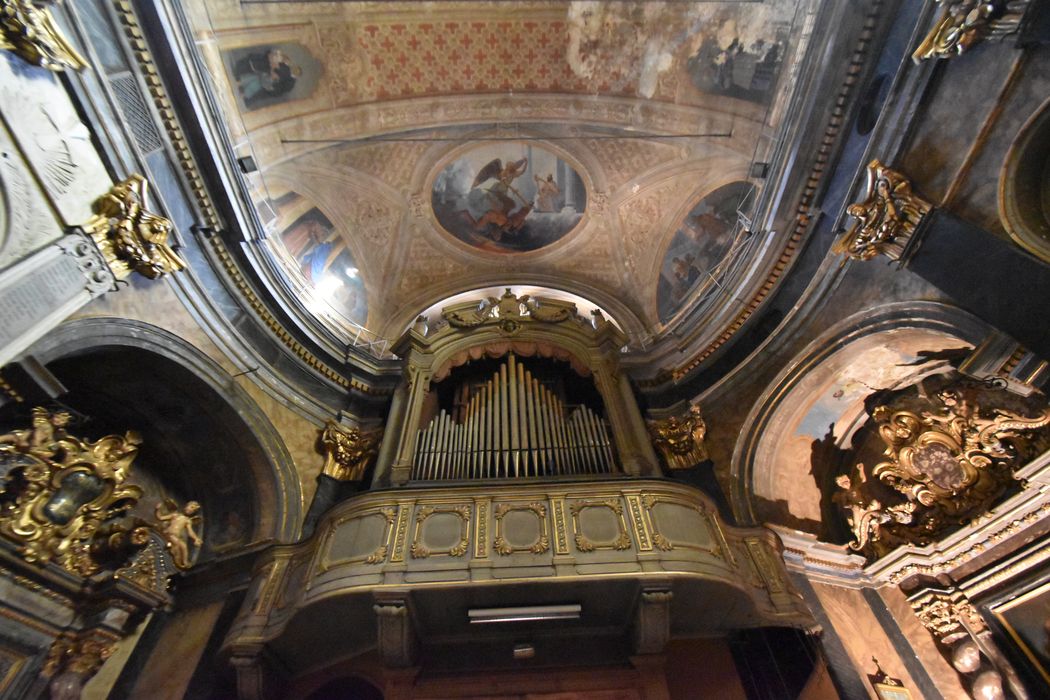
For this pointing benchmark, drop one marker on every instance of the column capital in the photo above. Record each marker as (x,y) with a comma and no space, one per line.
(887,216)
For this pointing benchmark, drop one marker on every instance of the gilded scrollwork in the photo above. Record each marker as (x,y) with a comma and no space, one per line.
(68,501)
(680,439)
(61,489)
(964,23)
(348,451)
(943,468)
(28,29)
(887,217)
(542,543)
(509,311)
(130,237)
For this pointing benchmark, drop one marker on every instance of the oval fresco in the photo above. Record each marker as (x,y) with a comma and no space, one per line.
(314,252)
(698,246)
(508,198)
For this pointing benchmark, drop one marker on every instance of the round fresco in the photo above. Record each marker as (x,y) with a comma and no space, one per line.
(698,247)
(508,198)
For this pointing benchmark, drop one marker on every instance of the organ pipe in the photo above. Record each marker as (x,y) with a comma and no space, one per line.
(512,427)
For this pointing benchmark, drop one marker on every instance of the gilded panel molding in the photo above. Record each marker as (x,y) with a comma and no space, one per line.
(28,29)
(642,529)
(401,533)
(560,532)
(664,544)
(542,543)
(887,216)
(389,515)
(420,551)
(585,544)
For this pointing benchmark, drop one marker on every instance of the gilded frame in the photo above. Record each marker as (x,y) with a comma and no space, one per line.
(420,551)
(613,503)
(542,543)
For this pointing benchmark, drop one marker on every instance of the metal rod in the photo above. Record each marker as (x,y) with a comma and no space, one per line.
(487,437)
(541,428)
(523,419)
(515,443)
(534,443)
(592,439)
(504,424)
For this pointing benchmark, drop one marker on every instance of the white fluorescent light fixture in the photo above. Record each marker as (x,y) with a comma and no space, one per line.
(527,614)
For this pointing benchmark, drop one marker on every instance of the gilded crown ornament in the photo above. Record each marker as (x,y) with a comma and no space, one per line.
(943,468)
(680,439)
(131,238)
(28,29)
(348,451)
(887,217)
(964,23)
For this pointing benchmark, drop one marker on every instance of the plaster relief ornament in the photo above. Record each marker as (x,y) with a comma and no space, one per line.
(964,23)
(130,237)
(508,198)
(943,468)
(27,28)
(887,217)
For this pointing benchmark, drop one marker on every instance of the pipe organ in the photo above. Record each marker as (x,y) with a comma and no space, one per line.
(512,426)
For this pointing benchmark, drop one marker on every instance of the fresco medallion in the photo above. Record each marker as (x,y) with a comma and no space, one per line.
(698,247)
(508,198)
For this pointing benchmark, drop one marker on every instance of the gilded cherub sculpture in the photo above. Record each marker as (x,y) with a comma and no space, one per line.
(177,526)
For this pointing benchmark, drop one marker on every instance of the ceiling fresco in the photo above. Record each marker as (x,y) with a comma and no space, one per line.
(508,197)
(431,148)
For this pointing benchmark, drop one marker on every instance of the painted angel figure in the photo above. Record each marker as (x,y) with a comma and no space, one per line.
(176,526)
(489,201)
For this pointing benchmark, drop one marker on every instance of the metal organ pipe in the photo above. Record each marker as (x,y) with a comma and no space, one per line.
(511,426)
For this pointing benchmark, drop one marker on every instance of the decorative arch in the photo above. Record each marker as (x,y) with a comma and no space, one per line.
(180,371)
(812,409)
(1024,185)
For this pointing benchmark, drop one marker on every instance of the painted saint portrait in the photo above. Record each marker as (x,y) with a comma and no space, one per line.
(509,198)
(698,246)
(319,255)
(270,74)
(740,56)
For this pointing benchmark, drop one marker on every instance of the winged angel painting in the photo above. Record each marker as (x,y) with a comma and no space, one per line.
(508,198)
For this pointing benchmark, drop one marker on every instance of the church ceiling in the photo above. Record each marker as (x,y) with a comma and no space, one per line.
(410,151)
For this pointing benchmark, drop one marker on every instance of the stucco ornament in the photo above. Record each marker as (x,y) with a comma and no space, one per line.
(942,467)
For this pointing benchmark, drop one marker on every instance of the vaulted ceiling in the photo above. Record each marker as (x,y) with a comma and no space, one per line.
(625,135)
